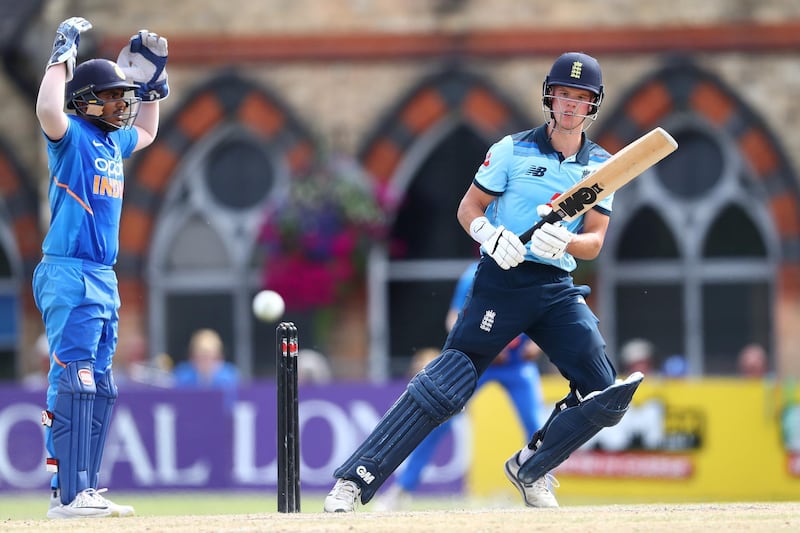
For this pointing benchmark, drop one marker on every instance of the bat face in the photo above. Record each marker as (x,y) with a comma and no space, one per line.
(572,205)
(618,170)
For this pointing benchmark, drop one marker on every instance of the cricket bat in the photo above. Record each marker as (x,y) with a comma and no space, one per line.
(618,170)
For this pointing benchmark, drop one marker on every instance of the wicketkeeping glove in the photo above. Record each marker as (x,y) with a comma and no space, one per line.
(65,46)
(502,245)
(550,241)
(144,62)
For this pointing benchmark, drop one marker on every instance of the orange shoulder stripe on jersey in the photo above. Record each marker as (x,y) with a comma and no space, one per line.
(66,188)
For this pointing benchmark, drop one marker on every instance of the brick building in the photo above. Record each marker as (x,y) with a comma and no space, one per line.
(415,92)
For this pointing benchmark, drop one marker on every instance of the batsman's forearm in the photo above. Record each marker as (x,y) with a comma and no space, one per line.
(585,246)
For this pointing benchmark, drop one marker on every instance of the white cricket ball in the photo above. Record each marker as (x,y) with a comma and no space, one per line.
(268,306)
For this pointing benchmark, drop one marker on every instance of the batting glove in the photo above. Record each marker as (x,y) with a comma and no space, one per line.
(65,46)
(502,245)
(550,241)
(144,62)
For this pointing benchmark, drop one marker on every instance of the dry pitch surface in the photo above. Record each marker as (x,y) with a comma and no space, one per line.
(753,517)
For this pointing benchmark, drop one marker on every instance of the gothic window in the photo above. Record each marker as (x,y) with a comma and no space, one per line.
(689,264)
(204,267)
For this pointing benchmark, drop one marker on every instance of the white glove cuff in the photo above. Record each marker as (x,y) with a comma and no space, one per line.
(481,229)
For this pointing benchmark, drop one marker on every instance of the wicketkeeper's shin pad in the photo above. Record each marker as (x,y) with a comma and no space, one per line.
(101,422)
(72,428)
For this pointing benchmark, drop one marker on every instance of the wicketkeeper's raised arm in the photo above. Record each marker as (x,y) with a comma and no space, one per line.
(60,66)
(144,62)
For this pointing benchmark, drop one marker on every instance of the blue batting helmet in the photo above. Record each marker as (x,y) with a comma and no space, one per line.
(95,76)
(576,70)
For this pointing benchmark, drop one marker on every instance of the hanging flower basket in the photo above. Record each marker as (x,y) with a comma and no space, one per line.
(316,243)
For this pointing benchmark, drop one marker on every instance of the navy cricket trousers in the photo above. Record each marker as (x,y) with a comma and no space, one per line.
(541,301)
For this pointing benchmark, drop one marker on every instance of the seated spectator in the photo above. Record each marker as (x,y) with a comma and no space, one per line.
(752,362)
(133,366)
(313,367)
(206,365)
(675,366)
(637,355)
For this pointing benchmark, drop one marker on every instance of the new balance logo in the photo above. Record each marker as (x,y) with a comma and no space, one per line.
(365,474)
(536,171)
(488,320)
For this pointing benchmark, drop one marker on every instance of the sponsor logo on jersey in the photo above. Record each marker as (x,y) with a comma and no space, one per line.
(488,157)
(108,181)
(535,170)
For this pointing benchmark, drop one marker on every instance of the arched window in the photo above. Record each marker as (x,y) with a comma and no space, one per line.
(691,255)
(204,246)
(439,134)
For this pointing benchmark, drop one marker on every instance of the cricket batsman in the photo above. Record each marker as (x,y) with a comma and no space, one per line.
(519,287)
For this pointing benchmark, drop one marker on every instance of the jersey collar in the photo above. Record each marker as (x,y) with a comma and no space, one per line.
(545,147)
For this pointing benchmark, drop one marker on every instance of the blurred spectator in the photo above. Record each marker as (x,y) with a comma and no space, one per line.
(637,355)
(313,367)
(40,354)
(206,366)
(132,365)
(675,366)
(752,361)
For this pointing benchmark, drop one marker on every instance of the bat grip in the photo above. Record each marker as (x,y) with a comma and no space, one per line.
(551,217)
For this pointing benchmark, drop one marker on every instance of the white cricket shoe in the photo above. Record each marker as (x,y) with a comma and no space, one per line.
(343,497)
(536,494)
(115,508)
(87,504)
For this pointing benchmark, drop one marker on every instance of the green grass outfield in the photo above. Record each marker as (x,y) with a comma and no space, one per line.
(256,513)
(33,505)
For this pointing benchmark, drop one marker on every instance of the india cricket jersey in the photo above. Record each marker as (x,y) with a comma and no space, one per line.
(86,185)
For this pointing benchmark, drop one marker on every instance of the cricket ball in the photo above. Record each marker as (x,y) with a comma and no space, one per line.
(268,306)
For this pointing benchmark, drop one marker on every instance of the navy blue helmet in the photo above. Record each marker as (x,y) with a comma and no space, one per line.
(95,76)
(576,70)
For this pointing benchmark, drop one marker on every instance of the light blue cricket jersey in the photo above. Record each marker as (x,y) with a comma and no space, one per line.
(86,185)
(524,170)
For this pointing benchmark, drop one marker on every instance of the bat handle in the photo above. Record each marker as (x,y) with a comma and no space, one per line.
(552,218)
